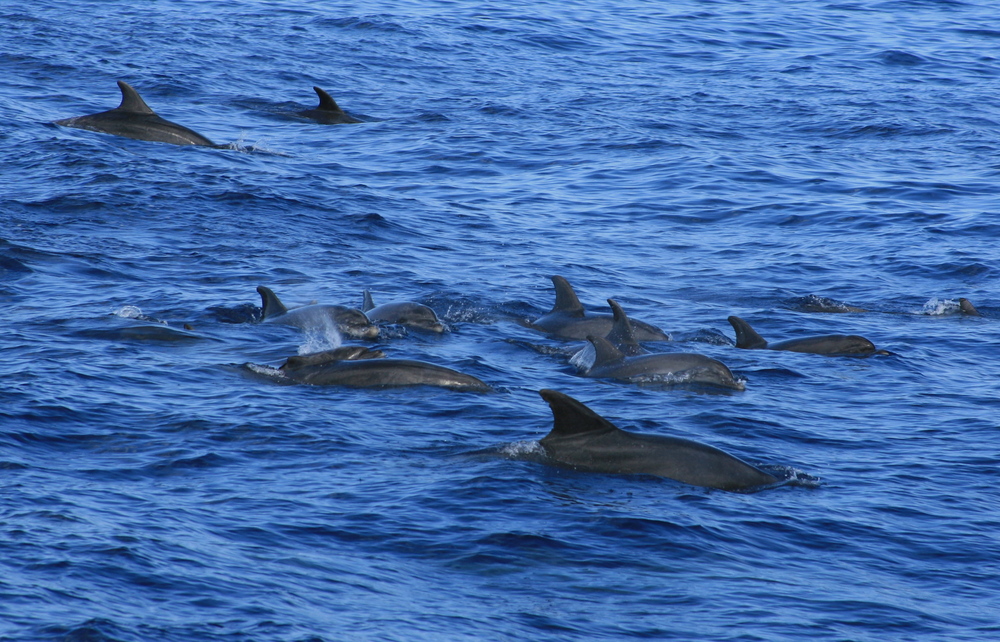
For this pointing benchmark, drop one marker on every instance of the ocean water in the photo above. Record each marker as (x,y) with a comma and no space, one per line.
(692,160)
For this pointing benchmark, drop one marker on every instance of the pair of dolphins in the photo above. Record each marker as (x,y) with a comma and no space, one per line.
(134,119)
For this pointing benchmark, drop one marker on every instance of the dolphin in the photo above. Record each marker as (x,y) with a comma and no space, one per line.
(834,344)
(328,112)
(671,368)
(359,367)
(408,313)
(349,321)
(134,119)
(583,440)
(966,307)
(569,320)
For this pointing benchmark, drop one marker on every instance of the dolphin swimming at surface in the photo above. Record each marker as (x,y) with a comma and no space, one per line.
(666,368)
(328,112)
(134,119)
(833,344)
(408,313)
(359,367)
(966,307)
(349,321)
(583,440)
(569,320)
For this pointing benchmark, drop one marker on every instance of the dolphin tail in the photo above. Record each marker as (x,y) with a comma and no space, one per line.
(967,308)
(746,337)
(566,300)
(570,417)
(131,100)
(270,302)
(367,302)
(606,353)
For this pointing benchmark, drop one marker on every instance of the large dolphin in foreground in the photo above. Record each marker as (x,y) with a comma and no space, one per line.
(569,320)
(348,321)
(359,367)
(328,112)
(833,344)
(583,440)
(408,313)
(134,119)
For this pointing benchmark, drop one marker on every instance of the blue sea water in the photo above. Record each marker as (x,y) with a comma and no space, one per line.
(691,159)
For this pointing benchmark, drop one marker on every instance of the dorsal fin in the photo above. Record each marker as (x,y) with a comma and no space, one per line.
(621,332)
(367,302)
(746,337)
(605,352)
(132,101)
(570,417)
(271,304)
(566,300)
(326,101)
(967,308)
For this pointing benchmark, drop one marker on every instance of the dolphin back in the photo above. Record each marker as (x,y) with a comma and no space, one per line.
(270,303)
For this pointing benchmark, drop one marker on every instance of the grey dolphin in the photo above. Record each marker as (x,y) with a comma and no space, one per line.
(583,440)
(747,338)
(134,119)
(622,336)
(328,112)
(966,307)
(348,321)
(359,367)
(408,313)
(569,320)
(671,368)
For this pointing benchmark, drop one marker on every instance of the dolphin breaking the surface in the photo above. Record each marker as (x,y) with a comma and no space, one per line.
(134,119)
(360,367)
(349,321)
(569,320)
(831,344)
(328,112)
(583,440)
(407,313)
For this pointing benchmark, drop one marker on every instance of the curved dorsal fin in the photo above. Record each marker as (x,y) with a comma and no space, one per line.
(966,307)
(605,352)
(621,332)
(566,300)
(270,302)
(367,302)
(746,337)
(326,102)
(132,101)
(570,417)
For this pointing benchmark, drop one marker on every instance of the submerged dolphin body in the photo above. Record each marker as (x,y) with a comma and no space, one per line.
(408,313)
(359,367)
(833,344)
(328,112)
(583,440)
(569,320)
(666,368)
(134,119)
(349,321)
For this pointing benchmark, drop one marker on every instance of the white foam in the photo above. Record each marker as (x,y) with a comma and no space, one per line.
(324,335)
(129,312)
(522,449)
(940,307)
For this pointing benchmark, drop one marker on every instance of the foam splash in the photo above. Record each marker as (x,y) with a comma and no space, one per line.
(320,337)
(134,312)
(522,450)
(267,371)
(940,307)
(584,358)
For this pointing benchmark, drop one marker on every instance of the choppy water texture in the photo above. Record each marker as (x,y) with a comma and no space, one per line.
(692,160)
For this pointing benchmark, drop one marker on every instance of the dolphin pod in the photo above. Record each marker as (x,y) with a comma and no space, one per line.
(359,367)
(349,321)
(134,119)
(583,440)
(407,313)
(832,344)
(568,319)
